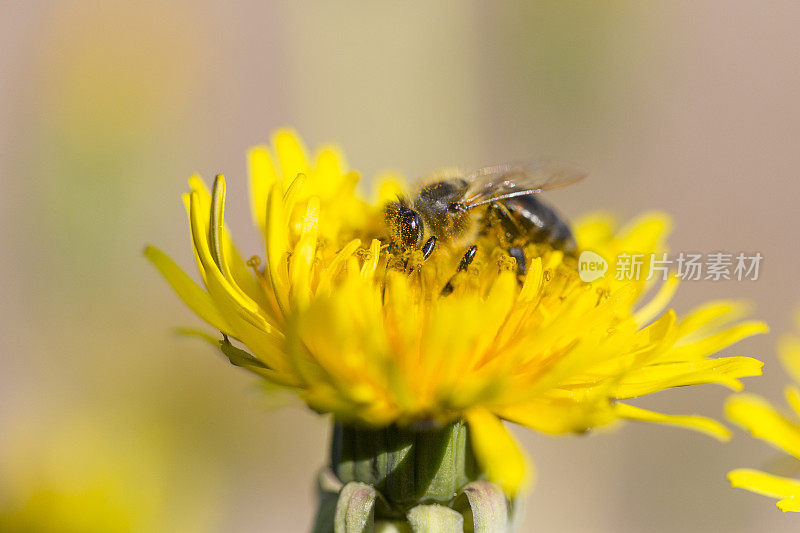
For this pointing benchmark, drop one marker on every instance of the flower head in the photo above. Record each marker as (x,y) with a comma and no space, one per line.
(780,430)
(358,330)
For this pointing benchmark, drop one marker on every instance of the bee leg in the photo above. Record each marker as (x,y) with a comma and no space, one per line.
(427,249)
(519,254)
(508,231)
(501,221)
(466,261)
(464,264)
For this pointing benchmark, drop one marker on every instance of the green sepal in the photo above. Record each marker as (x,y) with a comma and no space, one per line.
(239,357)
(407,466)
(482,506)
(486,507)
(355,510)
(435,519)
(424,477)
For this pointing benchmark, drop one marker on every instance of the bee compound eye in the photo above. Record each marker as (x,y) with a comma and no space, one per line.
(411,228)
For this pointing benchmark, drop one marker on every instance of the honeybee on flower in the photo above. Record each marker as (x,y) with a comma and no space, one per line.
(354,313)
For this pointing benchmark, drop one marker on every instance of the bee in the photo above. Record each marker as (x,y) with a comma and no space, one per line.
(501,200)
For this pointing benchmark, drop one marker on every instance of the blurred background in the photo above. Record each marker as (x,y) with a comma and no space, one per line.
(111,422)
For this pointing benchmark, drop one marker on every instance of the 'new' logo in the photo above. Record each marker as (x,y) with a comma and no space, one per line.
(591,266)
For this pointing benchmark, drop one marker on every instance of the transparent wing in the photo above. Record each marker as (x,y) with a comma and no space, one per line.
(490,184)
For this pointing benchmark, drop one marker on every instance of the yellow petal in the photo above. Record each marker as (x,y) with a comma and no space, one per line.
(371,263)
(791,504)
(217,223)
(195,182)
(263,341)
(261,174)
(758,417)
(198,186)
(593,230)
(335,266)
(201,244)
(710,317)
(698,423)
(234,266)
(557,417)
(291,155)
(277,248)
(331,162)
(389,188)
(187,290)
(302,259)
(792,394)
(764,484)
(497,451)
(533,281)
(660,301)
(329,172)
(646,232)
(496,308)
(716,342)
(294,192)
(653,378)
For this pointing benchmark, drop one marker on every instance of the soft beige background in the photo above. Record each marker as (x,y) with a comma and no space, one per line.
(107,106)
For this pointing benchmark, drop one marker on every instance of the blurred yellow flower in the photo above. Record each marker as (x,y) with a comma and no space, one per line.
(89,472)
(71,476)
(764,422)
(332,315)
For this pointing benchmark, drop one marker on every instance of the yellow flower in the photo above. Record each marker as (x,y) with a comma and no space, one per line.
(371,338)
(764,422)
(73,473)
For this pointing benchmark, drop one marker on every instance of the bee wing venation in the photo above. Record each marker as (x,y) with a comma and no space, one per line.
(517,179)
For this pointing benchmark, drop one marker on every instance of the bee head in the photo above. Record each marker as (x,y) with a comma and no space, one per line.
(405,225)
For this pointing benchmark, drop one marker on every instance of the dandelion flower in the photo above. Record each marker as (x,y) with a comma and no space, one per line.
(780,430)
(331,313)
